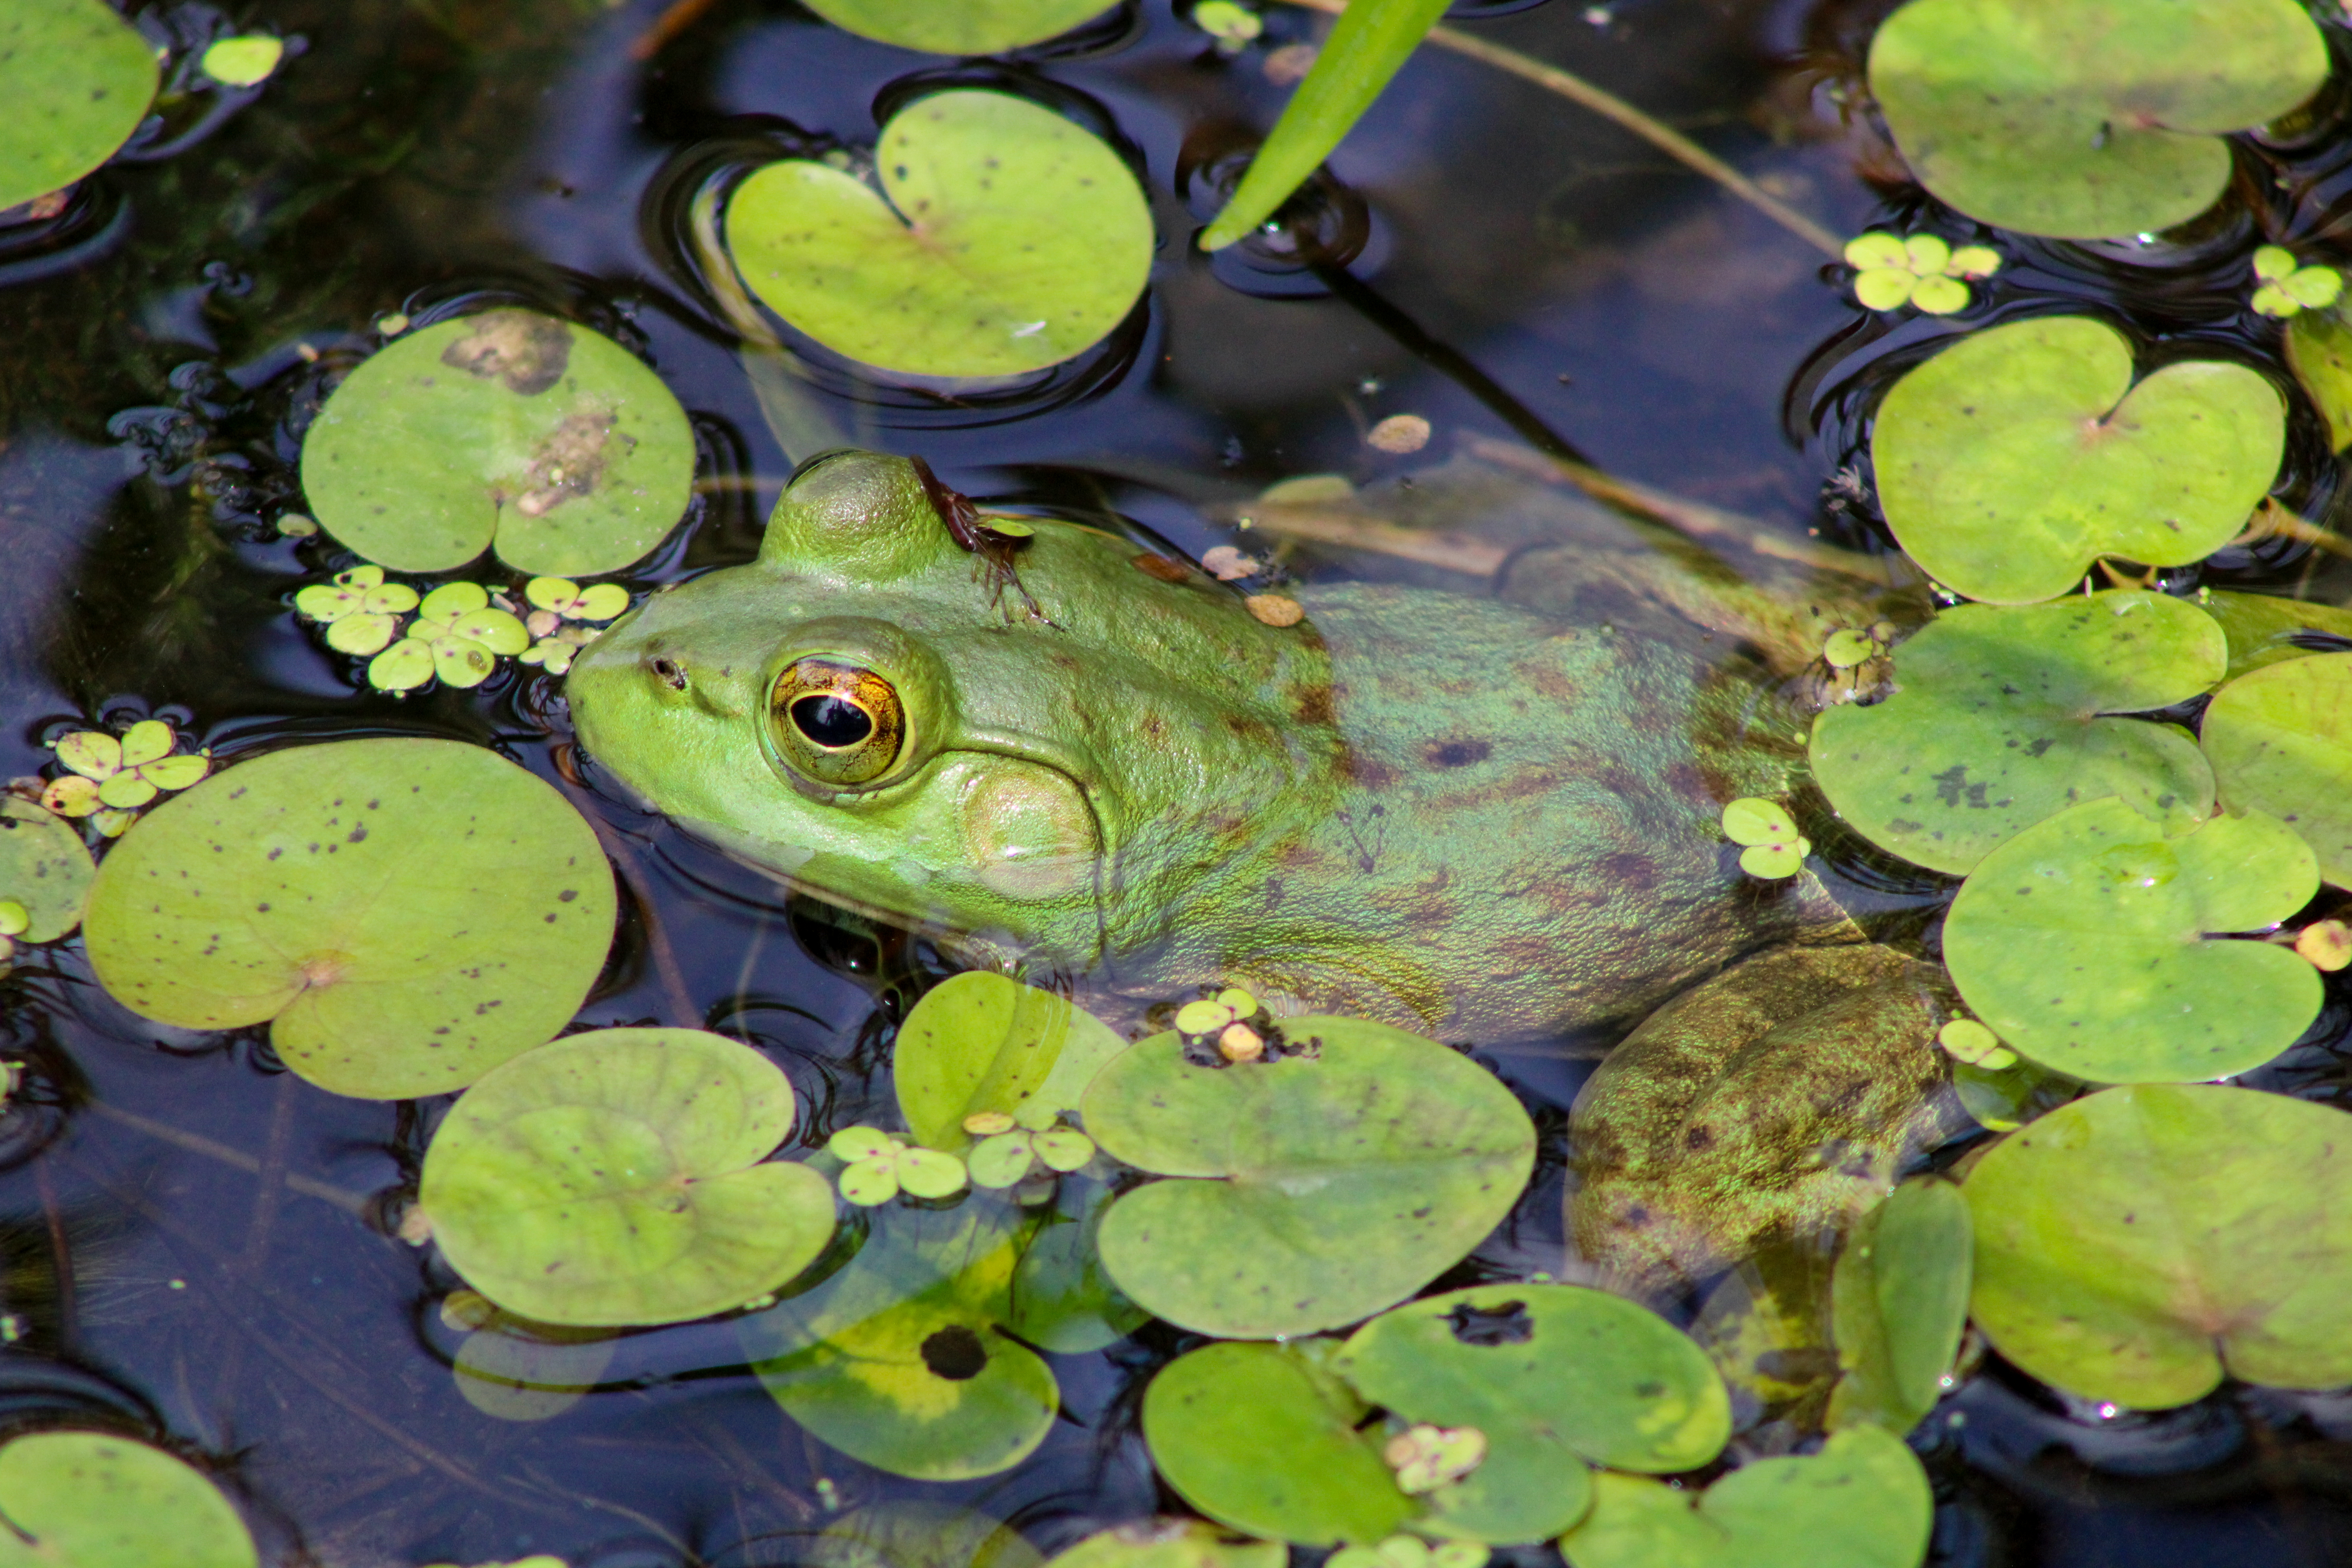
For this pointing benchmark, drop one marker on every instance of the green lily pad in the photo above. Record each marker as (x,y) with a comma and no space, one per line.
(2136,1244)
(2083,942)
(979,1043)
(405,913)
(1170,1543)
(2280,742)
(45,866)
(2014,458)
(913,1533)
(1898,1302)
(1310,1191)
(1003,239)
(966,27)
(554,443)
(2319,353)
(78,79)
(617,1177)
(88,1500)
(2087,118)
(1862,1502)
(1263,1438)
(1552,1376)
(2261,628)
(899,1359)
(1781,1098)
(247,59)
(1996,723)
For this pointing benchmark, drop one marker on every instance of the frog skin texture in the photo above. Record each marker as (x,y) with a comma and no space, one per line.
(1448,812)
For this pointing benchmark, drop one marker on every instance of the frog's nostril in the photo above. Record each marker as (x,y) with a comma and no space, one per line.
(671,673)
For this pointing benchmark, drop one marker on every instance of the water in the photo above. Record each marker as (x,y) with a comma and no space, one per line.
(192,1241)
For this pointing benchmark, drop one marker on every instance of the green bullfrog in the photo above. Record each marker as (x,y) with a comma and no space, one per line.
(1486,818)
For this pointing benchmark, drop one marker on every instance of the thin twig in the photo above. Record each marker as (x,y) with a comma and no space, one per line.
(1609,106)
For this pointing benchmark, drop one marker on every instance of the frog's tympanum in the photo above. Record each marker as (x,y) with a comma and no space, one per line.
(1455,813)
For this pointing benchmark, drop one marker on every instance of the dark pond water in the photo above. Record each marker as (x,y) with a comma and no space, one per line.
(192,1240)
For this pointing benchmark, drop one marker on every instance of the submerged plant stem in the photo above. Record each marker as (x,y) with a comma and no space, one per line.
(211,1149)
(1609,106)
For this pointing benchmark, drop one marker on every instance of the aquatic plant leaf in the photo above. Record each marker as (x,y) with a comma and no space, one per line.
(2087,118)
(1010,240)
(966,27)
(1898,1301)
(1165,1542)
(1862,1502)
(91,1499)
(45,866)
(406,913)
(2280,742)
(978,1042)
(911,1532)
(1262,1437)
(245,60)
(2264,629)
(78,79)
(512,1373)
(1308,1191)
(615,1178)
(2319,352)
(1778,1099)
(2083,942)
(2135,1245)
(2014,458)
(1063,1300)
(1996,722)
(508,426)
(897,1359)
(1368,46)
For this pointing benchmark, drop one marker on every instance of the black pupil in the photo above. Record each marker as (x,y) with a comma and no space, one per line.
(832,723)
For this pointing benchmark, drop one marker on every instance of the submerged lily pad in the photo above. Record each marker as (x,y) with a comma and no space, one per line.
(45,866)
(2135,1245)
(1003,239)
(899,1359)
(1862,1502)
(1996,723)
(553,441)
(2264,629)
(617,1177)
(405,913)
(2087,118)
(78,79)
(1552,1375)
(966,27)
(1170,1543)
(979,1043)
(512,1372)
(1263,1438)
(90,1500)
(914,1533)
(1899,1300)
(2014,458)
(2084,943)
(1062,1301)
(2280,742)
(1308,1191)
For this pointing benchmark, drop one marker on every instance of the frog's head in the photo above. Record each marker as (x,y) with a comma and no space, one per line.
(874,711)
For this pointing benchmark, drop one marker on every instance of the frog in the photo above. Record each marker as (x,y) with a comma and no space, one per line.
(1489,817)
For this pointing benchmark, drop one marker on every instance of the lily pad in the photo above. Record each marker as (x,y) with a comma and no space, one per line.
(510,1373)
(78,79)
(1063,1300)
(1898,1302)
(88,1500)
(1552,1376)
(1996,722)
(2136,1244)
(913,1533)
(1003,239)
(1312,1191)
(1862,1502)
(2264,629)
(966,27)
(899,1359)
(2014,458)
(45,866)
(979,1043)
(616,1177)
(2280,742)
(2319,352)
(538,435)
(2084,943)
(405,913)
(1170,1543)
(1781,1098)
(1263,1438)
(2087,118)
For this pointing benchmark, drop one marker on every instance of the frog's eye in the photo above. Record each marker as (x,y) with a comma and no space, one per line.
(837,723)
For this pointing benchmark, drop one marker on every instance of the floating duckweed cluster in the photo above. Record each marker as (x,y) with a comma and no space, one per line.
(1922,271)
(458,631)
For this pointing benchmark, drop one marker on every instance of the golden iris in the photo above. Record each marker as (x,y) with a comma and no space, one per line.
(837,723)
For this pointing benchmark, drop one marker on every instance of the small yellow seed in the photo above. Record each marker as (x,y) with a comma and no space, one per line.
(987,1123)
(1239,1043)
